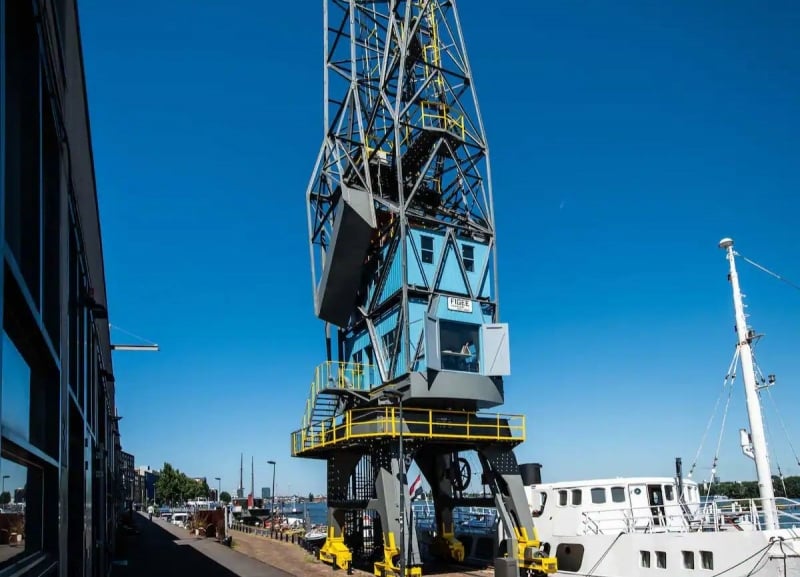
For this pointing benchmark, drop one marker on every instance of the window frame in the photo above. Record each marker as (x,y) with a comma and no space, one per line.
(469,260)
(426,253)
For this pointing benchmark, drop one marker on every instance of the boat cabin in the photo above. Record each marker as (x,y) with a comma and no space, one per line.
(611,506)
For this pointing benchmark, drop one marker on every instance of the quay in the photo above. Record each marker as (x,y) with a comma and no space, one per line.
(161,548)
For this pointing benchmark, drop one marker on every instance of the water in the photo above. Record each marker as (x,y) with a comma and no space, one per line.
(478,519)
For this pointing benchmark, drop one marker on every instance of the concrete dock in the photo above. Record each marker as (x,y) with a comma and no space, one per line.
(160,548)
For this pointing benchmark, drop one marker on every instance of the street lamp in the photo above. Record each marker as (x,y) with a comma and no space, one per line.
(272,507)
(219,488)
(387,398)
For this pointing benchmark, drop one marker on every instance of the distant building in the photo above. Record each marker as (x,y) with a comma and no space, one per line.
(145,484)
(265,492)
(127,472)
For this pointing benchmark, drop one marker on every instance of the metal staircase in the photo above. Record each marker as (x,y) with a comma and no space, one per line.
(333,386)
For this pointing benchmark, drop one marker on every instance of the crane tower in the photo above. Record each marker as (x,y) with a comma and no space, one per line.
(402,238)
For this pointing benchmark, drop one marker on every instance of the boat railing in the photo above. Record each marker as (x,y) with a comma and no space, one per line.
(644,519)
(746,514)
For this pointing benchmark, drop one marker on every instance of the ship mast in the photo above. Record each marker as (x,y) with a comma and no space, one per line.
(744,338)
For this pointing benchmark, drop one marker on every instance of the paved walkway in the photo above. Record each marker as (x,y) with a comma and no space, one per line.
(163,549)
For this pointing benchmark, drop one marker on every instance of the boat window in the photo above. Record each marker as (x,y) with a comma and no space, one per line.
(618,494)
(427,249)
(688,559)
(668,493)
(542,501)
(562,498)
(598,495)
(644,557)
(707,559)
(661,559)
(576,496)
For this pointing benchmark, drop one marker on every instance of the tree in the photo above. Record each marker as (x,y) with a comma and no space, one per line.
(311,497)
(5,498)
(225,497)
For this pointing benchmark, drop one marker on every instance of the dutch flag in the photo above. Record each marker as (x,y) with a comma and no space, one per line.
(416,487)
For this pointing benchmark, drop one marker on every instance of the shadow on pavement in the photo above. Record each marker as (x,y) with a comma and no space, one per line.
(155,552)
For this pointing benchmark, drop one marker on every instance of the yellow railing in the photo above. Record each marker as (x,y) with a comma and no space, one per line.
(435,115)
(339,375)
(419,423)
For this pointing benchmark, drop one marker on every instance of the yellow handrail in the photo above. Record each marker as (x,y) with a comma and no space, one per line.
(338,375)
(417,423)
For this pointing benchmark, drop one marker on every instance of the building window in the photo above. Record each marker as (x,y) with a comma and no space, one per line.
(576,496)
(669,494)
(688,559)
(644,559)
(707,559)
(16,391)
(598,495)
(21,501)
(427,249)
(468,254)
(618,494)
(661,559)
(562,498)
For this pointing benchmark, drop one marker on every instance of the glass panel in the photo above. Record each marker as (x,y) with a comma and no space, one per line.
(668,493)
(688,559)
(562,498)
(576,496)
(618,494)
(459,342)
(707,559)
(20,527)
(661,559)
(16,390)
(468,254)
(599,495)
(427,249)
(645,558)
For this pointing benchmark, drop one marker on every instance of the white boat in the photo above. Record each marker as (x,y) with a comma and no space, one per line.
(650,526)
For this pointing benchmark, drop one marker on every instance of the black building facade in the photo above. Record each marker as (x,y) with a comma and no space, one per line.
(59,448)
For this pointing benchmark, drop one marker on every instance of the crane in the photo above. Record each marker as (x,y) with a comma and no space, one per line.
(404,271)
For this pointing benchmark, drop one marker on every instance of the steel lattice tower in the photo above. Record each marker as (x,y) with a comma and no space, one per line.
(402,238)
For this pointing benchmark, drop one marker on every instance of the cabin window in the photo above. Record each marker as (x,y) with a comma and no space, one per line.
(459,346)
(688,559)
(644,559)
(427,249)
(707,559)
(661,559)
(669,495)
(468,254)
(576,496)
(618,494)
(562,498)
(598,495)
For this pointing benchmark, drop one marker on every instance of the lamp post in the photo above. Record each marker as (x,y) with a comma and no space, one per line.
(272,495)
(389,397)
(219,488)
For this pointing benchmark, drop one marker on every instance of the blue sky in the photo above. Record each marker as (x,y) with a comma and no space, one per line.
(626,139)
